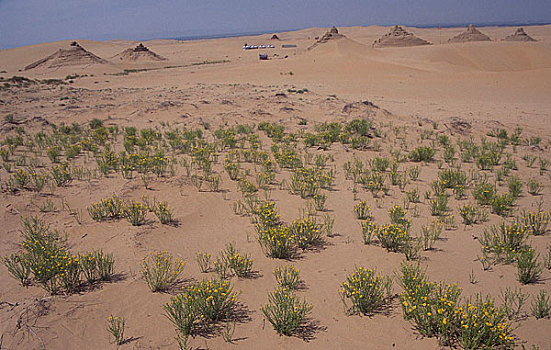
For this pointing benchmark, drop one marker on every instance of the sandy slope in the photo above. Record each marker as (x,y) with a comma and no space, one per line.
(492,84)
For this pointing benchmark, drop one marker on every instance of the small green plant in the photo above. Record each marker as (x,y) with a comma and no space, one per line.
(534,187)
(547,258)
(502,205)
(540,306)
(512,302)
(240,264)
(276,241)
(199,304)
(528,267)
(439,205)
(484,193)
(515,185)
(135,212)
(422,154)
(368,229)
(160,270)
(285,311)
(472,214)
(504,241)
(393,237)
(287,277)
(363,292)
(163,213)
(115,326)
(204,261)
(306,233)
(97,266)
(414,173)
(319,201)
(536,222)
(397,216)
(431,233)
(18,267)
(362,210)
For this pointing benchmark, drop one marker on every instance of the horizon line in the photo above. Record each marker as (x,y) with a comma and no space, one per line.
(194,37)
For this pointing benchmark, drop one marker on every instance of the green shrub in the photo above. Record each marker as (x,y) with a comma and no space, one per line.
(422,154)
(305,232)
(285,311)
(287,277)
(160,270)
(528,267)
(363,292)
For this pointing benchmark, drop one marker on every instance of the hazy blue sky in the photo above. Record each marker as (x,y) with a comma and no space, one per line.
(25,22)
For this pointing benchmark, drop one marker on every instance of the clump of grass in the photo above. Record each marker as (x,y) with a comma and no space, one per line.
(109,208)
(18,267)
(363,292)
(240,264)
(472,214)
(135,212)
(528,267)
(97,266)
(484,193)
(163,213)
(431,233)
(306,232)
(536,221)
(393,237)
(204,261)
(540,306)
(422,154)
(504,241)
(199,304)
(436,311)
(115,326)
(362,210)
(160,270)
(439,205)
(285,311)
(513,301)
(287,277)
(502,205)
(534,187)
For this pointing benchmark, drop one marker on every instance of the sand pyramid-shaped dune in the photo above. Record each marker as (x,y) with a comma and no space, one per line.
(139,53)
(74,55)
(472,34)
(399,37)
(519,35)
(330,35)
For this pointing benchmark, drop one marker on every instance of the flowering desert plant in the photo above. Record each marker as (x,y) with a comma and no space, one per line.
(363,292)
(362,210)
(285,311)
(115,326)
(135,212)
(160,270)
(287,277)
(306,232)
(163,213)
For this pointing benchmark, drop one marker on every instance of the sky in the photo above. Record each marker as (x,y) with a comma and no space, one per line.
(25,22)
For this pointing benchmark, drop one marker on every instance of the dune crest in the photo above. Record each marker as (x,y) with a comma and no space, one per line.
(74,55)
(399,37)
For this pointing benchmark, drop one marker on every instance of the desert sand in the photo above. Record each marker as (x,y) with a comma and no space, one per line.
(414,96)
